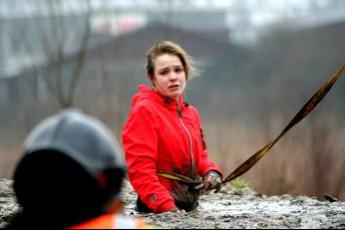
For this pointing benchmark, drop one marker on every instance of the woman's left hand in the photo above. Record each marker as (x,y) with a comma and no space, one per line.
(212,180)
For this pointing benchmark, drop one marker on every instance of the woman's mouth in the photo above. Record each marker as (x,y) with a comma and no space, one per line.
(174,87)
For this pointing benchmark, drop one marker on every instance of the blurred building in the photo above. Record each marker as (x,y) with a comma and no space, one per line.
(27,41)
(31,31)
(248,20)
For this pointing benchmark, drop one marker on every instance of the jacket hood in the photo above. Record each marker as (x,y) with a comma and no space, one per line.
(147,93)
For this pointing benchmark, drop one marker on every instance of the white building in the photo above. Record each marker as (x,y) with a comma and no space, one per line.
(32,30)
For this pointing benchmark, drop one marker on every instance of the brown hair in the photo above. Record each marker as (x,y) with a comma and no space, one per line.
(168,47)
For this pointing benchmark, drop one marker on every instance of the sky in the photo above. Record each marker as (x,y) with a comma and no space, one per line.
(259,12)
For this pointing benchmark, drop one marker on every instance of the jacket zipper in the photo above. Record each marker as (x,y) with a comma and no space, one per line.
(190,141)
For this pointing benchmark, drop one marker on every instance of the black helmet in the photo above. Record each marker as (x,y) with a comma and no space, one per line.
(72,168)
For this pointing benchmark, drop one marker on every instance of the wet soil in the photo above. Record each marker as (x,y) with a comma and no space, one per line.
(230,208)
(244,208)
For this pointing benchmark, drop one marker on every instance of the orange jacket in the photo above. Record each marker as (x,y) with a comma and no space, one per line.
(112,221)
(159,136)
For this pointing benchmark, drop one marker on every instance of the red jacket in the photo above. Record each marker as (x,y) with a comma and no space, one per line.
(160,137)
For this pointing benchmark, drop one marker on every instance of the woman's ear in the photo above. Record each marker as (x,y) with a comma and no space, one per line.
(149,76)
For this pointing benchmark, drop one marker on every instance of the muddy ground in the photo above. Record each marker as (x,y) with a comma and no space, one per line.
(231,208)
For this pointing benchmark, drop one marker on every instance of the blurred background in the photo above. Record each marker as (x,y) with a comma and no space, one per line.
(261,60)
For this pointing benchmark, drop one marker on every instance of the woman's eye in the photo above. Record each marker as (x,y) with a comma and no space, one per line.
(178,70)
(165,72)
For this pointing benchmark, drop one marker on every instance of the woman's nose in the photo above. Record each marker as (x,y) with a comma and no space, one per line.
(173,76)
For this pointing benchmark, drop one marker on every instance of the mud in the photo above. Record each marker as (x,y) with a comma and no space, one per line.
(8,204)
(230,208)
(244,208)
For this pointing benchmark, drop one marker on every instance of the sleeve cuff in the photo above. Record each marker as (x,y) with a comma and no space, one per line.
(215,172)
(166,207)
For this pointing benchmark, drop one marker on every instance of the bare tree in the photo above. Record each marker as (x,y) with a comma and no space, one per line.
(57,38)
(56,58)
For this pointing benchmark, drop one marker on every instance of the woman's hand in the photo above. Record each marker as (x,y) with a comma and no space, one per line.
(177,211)
(212,180)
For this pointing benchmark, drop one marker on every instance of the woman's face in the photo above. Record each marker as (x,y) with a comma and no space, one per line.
(169,76)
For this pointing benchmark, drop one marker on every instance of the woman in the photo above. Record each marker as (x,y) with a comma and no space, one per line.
(163,141)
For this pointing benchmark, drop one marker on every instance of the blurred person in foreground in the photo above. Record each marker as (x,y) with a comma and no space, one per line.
(70,176)
(163,138)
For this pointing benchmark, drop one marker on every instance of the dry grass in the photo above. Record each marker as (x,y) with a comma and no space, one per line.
(8,161)
(308,160)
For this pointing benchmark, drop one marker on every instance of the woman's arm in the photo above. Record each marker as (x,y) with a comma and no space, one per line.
(139,139)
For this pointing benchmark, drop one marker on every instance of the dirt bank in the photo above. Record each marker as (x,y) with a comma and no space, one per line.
(230,208)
